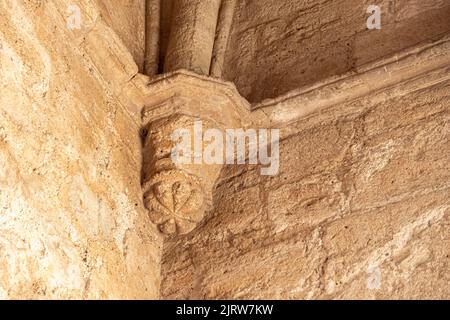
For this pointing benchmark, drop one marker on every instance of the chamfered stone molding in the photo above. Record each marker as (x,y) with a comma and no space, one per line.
(179,195)
(192,35)
(417,67)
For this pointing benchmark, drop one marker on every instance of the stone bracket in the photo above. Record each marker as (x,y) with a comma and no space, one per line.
(179,195)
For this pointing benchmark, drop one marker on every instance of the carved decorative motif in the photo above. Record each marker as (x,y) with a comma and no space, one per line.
(178,196)
(175,201)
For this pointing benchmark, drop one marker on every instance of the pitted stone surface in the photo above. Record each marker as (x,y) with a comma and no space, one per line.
(359,209)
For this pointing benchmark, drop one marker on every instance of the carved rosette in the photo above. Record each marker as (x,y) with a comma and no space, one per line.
(175,200)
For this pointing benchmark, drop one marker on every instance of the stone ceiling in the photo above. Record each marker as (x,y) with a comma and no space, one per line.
(275,46)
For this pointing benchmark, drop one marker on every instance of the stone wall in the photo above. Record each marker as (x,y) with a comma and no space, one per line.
(360,209)
(276,46)
(72,222)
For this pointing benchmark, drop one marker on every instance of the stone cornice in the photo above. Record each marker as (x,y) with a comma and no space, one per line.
(182,83)
(418,67)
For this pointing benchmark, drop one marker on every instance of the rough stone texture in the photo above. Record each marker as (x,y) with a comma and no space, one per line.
(127,18)
(72,220)
(363,189)
(276,46)
(359,209)
(192,30)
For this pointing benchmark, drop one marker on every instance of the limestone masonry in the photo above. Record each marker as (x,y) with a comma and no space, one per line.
(96,97)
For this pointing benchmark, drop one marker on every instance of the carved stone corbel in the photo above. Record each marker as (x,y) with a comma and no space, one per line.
(179,195)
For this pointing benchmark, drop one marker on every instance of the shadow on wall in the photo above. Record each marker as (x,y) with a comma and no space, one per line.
(277,46)
(188,260)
